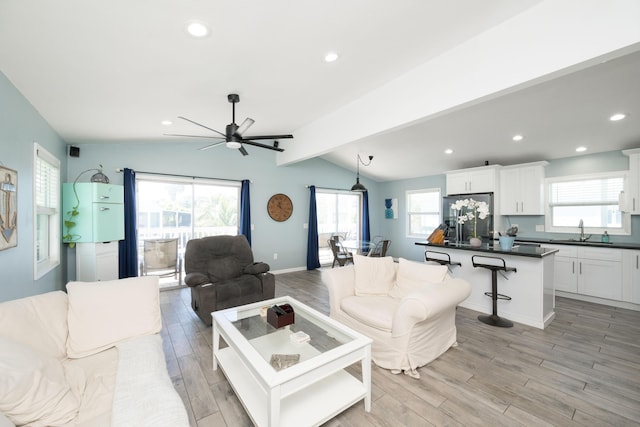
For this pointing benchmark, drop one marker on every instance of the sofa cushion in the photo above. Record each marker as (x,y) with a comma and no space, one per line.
(374,311)
(34,389)
(374,275)
(412,275)
(101,314)
(39,322)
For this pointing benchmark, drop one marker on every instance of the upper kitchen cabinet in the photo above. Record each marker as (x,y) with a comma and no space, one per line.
(522,189)
(482,179)
(632,188)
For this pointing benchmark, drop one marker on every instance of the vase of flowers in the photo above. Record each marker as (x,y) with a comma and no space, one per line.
(471,210)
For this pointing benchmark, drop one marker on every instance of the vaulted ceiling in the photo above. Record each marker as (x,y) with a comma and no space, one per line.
(413,77)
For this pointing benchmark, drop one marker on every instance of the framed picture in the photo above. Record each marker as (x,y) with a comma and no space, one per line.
(8,208)
(391,208)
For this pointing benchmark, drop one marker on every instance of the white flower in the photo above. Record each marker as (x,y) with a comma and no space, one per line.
(469,209)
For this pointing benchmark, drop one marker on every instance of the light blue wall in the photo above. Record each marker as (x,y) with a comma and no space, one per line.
(396,229)
(288,239)
(20,127)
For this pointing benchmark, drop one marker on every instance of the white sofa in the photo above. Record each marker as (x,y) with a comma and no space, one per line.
(91,357)
(408,308)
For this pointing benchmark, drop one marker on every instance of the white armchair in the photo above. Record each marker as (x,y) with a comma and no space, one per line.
(407,308)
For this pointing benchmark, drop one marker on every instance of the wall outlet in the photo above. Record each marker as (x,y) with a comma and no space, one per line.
(539,227)
(253,227)
(275,256)
(305,226)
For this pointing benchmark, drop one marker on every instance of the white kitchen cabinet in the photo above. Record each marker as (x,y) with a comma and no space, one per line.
(565,271)
(631,279)
(482,179)
(632,187)
(522,189)
(96,261)
(590,271)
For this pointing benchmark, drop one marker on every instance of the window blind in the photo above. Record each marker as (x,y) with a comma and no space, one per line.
(600,191)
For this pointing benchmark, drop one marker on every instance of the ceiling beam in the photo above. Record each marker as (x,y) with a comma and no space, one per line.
(550,39)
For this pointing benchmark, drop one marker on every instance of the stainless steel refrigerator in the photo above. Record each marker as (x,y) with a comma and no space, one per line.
(484,227)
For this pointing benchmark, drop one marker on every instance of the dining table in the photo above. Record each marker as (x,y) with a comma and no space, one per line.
(360,247)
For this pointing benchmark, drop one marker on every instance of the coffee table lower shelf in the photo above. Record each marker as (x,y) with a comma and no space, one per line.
(312,405)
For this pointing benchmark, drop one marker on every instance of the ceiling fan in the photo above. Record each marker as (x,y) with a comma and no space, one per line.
(233,138)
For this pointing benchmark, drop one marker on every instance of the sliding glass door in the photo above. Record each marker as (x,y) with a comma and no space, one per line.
(185,208)
(339,213)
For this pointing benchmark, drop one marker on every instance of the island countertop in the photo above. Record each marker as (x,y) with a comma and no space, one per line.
(517,250)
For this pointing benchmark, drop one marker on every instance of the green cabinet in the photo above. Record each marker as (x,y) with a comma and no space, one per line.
(100,209)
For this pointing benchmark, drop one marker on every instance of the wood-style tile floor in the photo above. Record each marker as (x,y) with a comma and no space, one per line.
(583,370)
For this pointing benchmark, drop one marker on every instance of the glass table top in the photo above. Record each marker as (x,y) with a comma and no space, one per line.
(276,346)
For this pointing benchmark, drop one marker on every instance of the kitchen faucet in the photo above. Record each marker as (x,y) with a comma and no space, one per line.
(583,238)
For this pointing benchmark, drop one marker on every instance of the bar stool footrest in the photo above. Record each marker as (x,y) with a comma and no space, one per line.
(498,296)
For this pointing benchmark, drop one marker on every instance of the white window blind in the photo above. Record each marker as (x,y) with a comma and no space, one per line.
(590,192)
(46,202)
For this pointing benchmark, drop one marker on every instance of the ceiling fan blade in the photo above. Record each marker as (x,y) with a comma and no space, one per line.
(256,144)
(244,126)
(193,136)
(201,125)
(215,144)
(243,151)
(269,137)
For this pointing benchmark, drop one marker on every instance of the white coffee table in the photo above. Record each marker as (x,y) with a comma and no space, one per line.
(308,393)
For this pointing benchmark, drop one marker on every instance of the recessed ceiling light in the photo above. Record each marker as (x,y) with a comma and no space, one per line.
(197,29)
(167,122)
(581,149)
(518,137)
(331,57)
(618,116)
(448,151)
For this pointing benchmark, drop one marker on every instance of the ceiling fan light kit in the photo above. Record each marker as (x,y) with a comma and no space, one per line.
(233,137)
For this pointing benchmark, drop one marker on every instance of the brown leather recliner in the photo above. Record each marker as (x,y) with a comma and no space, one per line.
(221,273)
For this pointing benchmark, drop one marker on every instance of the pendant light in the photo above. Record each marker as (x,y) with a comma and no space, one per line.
(357,186)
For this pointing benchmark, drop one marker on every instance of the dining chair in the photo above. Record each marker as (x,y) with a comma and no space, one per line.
(380,249)
(340,254)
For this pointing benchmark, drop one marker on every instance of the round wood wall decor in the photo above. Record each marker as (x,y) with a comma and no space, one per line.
(280,207)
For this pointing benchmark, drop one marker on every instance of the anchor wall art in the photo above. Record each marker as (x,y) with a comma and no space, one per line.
(8,208)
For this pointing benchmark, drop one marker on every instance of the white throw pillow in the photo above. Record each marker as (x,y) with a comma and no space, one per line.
(33,387)
(412,275)
(374,275)
(102,314)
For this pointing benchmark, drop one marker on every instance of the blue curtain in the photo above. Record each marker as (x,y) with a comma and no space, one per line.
(245,211)
(313,256)
(366,231)
(128,248)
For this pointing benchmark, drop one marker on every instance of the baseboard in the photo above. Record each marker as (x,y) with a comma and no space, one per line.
(287,270)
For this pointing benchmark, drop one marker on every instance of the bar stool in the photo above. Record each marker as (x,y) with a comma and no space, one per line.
(494,319)
(441,261)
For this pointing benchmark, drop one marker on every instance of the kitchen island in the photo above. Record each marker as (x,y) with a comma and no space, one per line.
(530,286)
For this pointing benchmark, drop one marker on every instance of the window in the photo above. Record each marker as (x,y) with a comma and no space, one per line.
(592,199)
(423,211)
(46,205)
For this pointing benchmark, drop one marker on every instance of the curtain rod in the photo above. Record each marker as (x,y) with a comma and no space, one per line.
(328,188)
(118,170)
